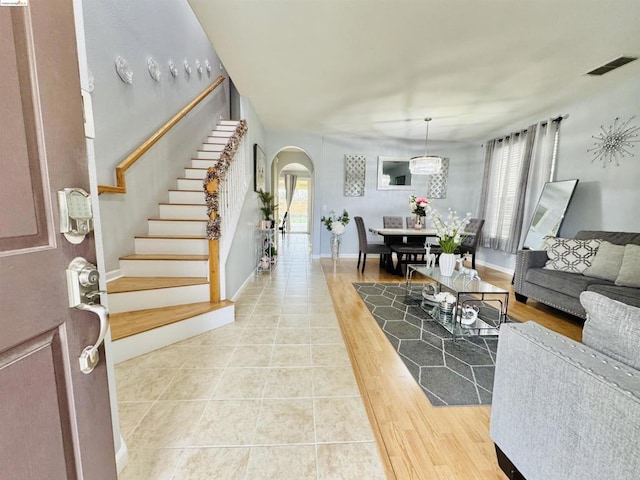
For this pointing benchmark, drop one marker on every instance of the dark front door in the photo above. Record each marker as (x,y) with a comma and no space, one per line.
(55,421)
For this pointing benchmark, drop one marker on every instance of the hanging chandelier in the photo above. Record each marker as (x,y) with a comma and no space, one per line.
(425,164)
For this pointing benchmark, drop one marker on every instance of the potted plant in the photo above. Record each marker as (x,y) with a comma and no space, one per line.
(268,208)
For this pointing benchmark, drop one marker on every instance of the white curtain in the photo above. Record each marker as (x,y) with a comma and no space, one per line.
(543,166)
(290,181)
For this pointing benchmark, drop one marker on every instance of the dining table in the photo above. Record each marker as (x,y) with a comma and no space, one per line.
(396,235)
(392,235)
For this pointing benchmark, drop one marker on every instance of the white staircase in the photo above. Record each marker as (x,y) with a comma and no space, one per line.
(163,295)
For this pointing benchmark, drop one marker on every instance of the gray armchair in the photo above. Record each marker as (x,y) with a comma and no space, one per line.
(564,410)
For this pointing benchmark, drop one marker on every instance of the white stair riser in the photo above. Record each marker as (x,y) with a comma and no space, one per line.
(157,298)
(218,140)
(208,155)
(165,268)
(213,147)
(167,227)
(175,246)
(194,198)
(203,163)
(135,345)
(190,184)
(185,212)
(226,128)
(221,133)
(195,173)
(235,123)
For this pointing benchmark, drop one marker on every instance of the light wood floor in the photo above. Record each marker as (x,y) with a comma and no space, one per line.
(415,439)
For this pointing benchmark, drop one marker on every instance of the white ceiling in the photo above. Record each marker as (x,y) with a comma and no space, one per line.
(378,67)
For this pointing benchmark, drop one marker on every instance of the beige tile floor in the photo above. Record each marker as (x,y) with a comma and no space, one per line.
(271,396)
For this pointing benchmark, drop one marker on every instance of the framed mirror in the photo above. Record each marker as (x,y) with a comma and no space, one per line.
(549,213)
(394,173)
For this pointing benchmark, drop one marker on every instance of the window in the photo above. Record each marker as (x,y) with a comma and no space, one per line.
(508,162)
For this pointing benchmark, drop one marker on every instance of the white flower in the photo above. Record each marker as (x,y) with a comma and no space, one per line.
(337,228)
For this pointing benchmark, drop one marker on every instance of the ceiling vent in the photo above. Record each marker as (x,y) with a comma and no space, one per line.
(612,65)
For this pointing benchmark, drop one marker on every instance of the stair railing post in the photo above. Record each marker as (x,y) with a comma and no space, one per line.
(214,252)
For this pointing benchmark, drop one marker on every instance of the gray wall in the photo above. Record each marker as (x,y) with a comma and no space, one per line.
(126,115)
(606,198)
(327,156)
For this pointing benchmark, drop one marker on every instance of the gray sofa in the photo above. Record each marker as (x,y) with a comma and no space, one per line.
(564,410)
(562,290)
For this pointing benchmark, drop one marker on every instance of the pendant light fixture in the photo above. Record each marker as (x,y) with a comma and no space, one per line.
(425,164)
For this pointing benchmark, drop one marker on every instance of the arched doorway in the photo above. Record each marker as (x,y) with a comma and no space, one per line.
(292,176)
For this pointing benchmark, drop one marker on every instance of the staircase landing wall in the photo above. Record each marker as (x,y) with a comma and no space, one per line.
(126,115)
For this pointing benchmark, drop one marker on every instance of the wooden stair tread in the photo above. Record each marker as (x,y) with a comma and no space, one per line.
(183,237)
(195,179)
(137,284)
(126,324)
(163,256)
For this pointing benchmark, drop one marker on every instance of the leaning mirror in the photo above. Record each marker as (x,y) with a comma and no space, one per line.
(549,213)
(394,173)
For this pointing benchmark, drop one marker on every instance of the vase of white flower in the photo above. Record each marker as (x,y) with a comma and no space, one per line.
(448,233)
(336,225)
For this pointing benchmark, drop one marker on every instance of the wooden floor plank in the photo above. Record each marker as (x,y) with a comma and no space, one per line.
(415,439)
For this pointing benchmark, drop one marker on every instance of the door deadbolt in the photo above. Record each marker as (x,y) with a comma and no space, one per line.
(82,282)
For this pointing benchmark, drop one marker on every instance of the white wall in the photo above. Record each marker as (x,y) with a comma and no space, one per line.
(327,156)
(126,115)
(605,198)
(242,258)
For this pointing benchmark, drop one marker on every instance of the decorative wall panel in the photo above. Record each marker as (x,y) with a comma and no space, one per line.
(354,175)
(437,187)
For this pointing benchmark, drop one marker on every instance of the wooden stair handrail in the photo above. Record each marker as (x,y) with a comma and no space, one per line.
(120,186)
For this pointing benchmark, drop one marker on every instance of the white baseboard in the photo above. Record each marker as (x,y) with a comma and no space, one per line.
(146,342)
(495,267)
(114,275)
(244,285)
(122,456)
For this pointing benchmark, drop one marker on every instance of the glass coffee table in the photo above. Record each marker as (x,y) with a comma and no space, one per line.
(489,301)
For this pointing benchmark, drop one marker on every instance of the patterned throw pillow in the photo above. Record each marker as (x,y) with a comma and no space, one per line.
(570,255)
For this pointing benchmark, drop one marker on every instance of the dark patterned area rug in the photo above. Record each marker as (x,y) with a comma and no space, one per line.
(449,373)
